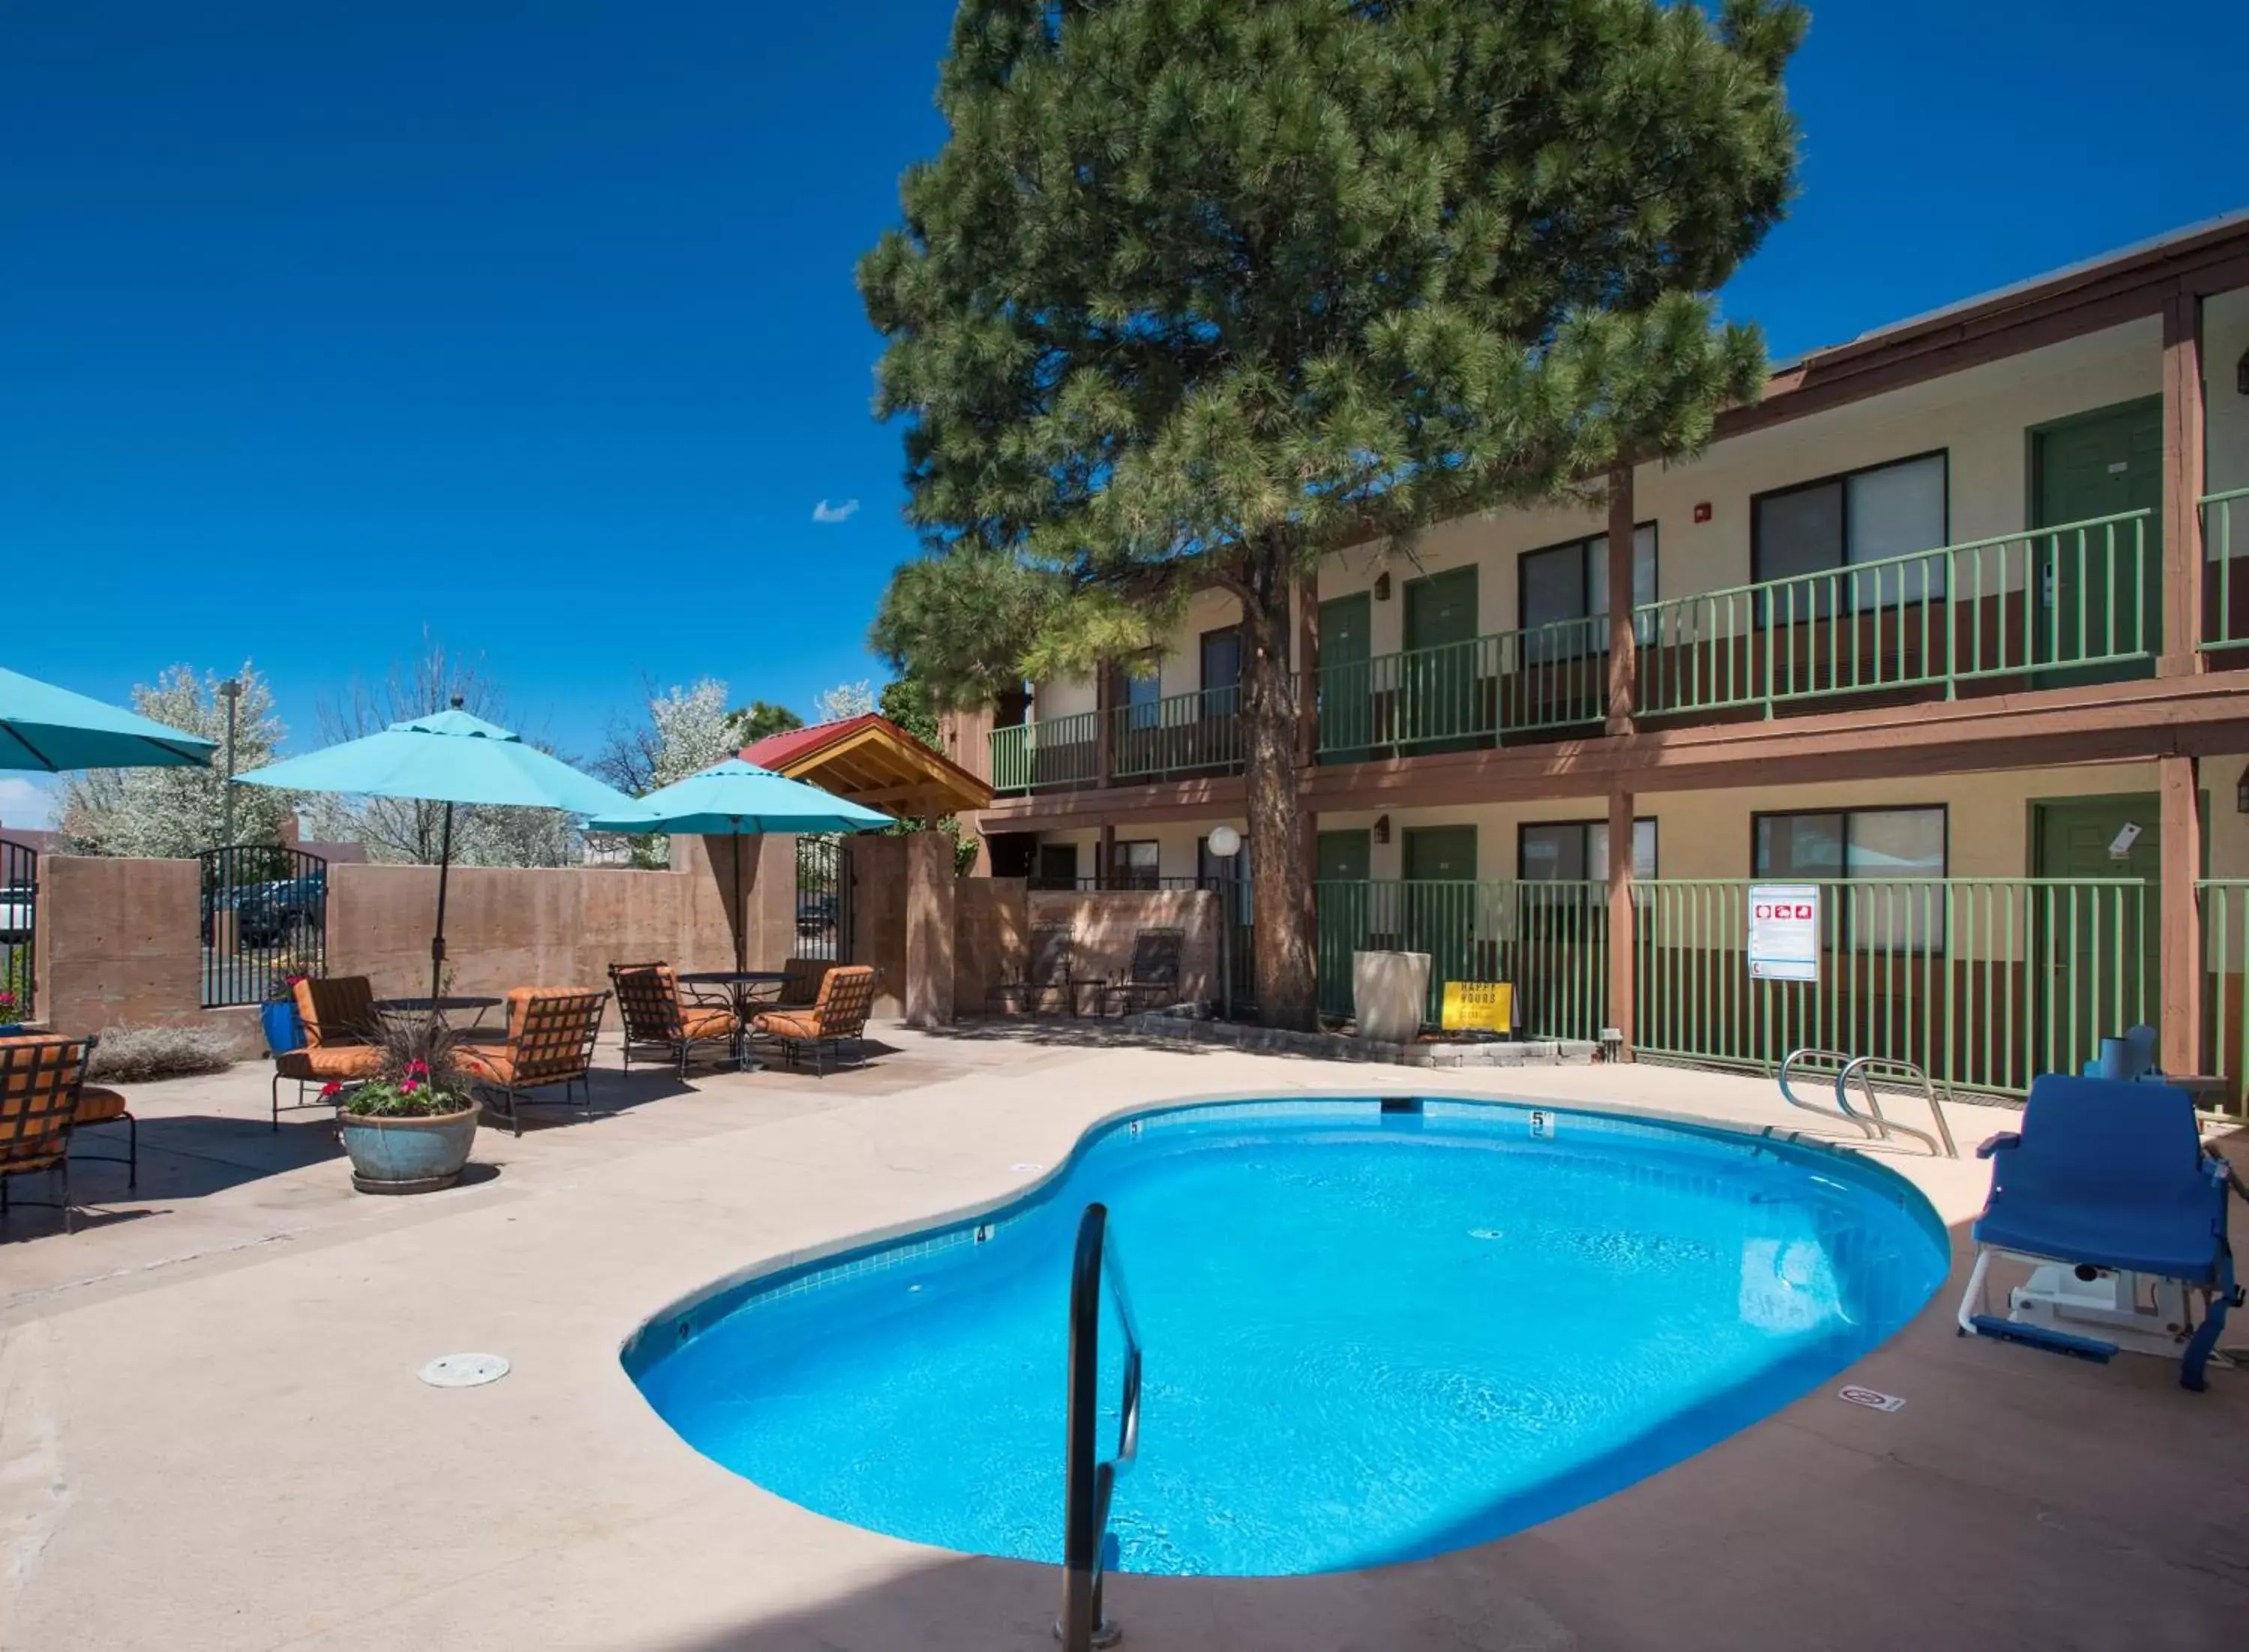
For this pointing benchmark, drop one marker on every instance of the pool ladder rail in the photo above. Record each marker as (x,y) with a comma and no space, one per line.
(1089,1547)
(1895,1072)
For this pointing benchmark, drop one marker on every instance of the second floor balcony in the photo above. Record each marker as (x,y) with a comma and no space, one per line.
(2046,608)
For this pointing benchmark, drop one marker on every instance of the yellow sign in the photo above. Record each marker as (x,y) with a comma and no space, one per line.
(1486,1005)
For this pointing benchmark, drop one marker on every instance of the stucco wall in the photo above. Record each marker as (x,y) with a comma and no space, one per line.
(1107,920)
(119,940)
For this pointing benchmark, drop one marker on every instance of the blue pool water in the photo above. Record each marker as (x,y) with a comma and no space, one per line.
(1368,1337)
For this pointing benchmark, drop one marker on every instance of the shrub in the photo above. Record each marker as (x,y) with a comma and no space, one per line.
(135,1055)
(421,1076)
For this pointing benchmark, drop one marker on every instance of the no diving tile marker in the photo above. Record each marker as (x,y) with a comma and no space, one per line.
(1873,1399)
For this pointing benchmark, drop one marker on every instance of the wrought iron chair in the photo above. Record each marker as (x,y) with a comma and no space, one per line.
(656,1019)
(1046,973)
(40,1083)
(800,983)
(337,1013)
(551,1032)
(837,1017)
(1154,982)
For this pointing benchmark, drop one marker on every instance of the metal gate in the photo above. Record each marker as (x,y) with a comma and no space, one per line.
(19,928)
(824,899)
(264,919)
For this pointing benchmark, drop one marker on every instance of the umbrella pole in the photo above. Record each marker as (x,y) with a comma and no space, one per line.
(742,941)
(437,940)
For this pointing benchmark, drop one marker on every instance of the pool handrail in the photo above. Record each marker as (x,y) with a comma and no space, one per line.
(1087,1549)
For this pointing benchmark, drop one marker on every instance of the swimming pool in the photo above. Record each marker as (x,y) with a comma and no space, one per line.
(1370,1336)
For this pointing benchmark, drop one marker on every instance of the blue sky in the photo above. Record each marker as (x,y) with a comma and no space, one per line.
(529,324)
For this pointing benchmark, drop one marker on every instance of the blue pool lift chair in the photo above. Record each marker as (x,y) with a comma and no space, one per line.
(2106,1181)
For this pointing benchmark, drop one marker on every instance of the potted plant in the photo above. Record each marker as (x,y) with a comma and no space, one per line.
(409,1129)
(278,1014)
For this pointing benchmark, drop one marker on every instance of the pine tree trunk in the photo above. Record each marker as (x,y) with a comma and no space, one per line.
(1287,984)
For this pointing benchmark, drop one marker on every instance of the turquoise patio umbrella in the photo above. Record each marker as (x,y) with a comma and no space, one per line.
(449,757)
(50,729)
(733,800)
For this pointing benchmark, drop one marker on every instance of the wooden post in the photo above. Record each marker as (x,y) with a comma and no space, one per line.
(2181,857)
(1624,663)
(1104,856)
(1621,940)
(2183,486)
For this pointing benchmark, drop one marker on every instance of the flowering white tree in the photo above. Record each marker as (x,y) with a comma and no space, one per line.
(845,700)
(173,814)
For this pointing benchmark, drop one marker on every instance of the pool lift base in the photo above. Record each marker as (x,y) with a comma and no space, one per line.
(2090,1312)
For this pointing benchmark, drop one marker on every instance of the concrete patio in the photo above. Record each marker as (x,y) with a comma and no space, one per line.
(211,1435)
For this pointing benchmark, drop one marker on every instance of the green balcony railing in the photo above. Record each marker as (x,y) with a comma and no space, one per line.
(2080,596)
(1549,940)
(1179,734)
(1463,694)
(2225,596)
(1983,983)
(1058,751)
(2224,903)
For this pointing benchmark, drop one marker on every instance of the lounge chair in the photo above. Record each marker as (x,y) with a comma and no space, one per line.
(658,1018)
(837,1017)
(1046,974)
(337,1013)
(41,1081)
(551,1032)
(2106,1181)
(1154,982)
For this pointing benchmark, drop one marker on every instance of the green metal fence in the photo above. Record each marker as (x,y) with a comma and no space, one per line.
(2224,903)
(1985,982)
(2068,597)
(1550,941)
(2224,599)
(1056,752)
(1179,734)
(1462,694)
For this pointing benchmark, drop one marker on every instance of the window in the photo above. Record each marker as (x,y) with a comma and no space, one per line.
(1896,850)
(1570,581)
(1134,865)
(1864,515)
(1057,867)
(1578,850)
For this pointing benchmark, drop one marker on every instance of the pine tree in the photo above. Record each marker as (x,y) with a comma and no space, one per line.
(1199,292)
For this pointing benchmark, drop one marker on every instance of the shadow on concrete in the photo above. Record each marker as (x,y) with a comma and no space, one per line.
(609,1091)
(1084,1033)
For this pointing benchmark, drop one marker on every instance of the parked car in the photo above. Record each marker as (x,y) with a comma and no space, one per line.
(816,911)
(274,913)
(18,903)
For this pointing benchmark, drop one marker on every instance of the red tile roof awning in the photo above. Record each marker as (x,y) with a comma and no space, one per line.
(871,761)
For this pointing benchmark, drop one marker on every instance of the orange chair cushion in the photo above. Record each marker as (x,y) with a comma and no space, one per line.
(786,1023)
(326,1061)
(493,1066)
(19,1157)
(695,1023)
(97,1105)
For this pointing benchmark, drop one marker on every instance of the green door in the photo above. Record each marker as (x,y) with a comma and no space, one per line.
(1438,685)
(2101,590)
(2093,966)
(1438,897)
(1340,895)
(1346,686)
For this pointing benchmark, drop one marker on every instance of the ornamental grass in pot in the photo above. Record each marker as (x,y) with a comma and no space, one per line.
(408,1129)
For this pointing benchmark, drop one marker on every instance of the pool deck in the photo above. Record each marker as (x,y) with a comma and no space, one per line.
(211,1435)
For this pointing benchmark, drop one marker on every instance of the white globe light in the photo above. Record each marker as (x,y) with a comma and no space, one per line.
(1225,842)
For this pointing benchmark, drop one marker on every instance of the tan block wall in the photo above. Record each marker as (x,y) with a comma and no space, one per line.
(1107,920)
(992,927)
(119,940)
(877,869)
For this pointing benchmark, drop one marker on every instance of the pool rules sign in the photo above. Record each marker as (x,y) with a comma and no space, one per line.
(1785,932)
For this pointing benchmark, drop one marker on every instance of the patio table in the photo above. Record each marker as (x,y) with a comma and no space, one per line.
(738,983)
(441,1006)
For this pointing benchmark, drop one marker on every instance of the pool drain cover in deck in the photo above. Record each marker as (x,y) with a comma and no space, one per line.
(463,1370)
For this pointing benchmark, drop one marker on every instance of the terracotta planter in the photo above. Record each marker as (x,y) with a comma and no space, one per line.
(408,1155)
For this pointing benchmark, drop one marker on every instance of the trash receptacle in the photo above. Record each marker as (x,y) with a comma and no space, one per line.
(1388,993)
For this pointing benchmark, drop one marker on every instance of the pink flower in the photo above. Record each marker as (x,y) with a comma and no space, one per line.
(418,1067)
(330,1088)
(408,1087)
